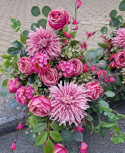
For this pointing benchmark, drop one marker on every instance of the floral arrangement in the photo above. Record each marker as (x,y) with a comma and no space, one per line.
(60,84)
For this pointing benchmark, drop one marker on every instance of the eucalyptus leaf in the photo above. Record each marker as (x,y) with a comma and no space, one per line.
(110,93)
(67,136)
(42,23)
(46,10)
(35,11)
(13,103)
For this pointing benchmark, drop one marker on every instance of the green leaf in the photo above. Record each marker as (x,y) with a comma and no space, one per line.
(99,51)
(14,51)
(102,132)
(67,136)
(17,29)
(40,119)
(46,10)
(90,55)
(25,32)
(104,64)
(73,34)
(113,14)
(77,136)
(41,138)
(33,26)
(13,103)
(39,127)
(23,53)
(104,30)
(117,129)
(110,94)
(115,22)
(23,39)
(55,126)
(74,43)
(108,125)
(32,137)
(16,24)
(35,11)
(120,18)
(103,45)
(49,147)
(42,23)
(89,118)
(103,103)
(6,56)
(32,121)
(3,92)
(122,6)
(17,44)
(65,29)
(2,70)
(56,136)
(5,82)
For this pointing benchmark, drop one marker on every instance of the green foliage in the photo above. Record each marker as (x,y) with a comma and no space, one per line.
(42,23)
(103,103)
(65,29)
(67,136)
(113,14)
(49,147)
(33,26)
(46,10)
(55,126)
(41,138)
(32,137)
(110,94)
(77,136)
(103,45)
(5,82)
(35,11)
(104,30)
(39,127)
(3,92)
(23,38)
(16,24)
(122,6)
(56,136)
(73,34)
(103,64)
(13,103)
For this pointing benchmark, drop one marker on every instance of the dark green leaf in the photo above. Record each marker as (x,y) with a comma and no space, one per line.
(77,136)
(17,44)
(120,18)
(102,132)
(90,55)
(103,45)
(56,136)
(49,147)
(122,6)
(23,53)
(46,10)
(103,64)
(103,103)
(40,119)
(108,125)
(14,51)
(13,103)
(115,22)
(39,127)
(89,118)
(113,14)
(74,43)
(104,30)
(25,32)
(5,82)
(33,26)
(67,136)
(35,11)
(42,23)
(41,138)
(55,126)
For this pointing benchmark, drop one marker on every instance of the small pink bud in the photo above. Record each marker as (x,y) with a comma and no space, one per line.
(76,28)
(20,126)
(83,148)
(13,147)
(79,3)
(111,79)
(93,68)
(79,128)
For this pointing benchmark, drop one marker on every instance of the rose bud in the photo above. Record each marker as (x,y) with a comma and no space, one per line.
(13,85)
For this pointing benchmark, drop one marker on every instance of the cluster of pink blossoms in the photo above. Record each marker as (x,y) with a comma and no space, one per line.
(24,94)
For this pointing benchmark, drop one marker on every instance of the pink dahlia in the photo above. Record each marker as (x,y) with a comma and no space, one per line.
(40,62)
(119,40)
(68,103)
(44,41)
(24,94)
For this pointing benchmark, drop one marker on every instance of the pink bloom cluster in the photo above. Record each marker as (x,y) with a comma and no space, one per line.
(108,78)
(24,94)
(40,62)
(94,90)
(68,103)
(70,68)
(87,67)
(101,73)
(83,45)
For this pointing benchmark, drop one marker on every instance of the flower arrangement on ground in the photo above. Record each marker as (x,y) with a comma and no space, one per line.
(61,83)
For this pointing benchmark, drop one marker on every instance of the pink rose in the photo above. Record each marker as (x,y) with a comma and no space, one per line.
(77,65)
(83,148)
(40,106)
(95,90)
(120,59)
(59,148)
(58,19)
(49,77)
(25,65)
(13,85)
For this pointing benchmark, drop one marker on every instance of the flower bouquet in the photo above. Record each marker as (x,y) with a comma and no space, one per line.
(60,85)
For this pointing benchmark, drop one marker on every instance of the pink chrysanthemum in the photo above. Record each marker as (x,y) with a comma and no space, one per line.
(68,103)
(44,41)
(119,40)
(24,94)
